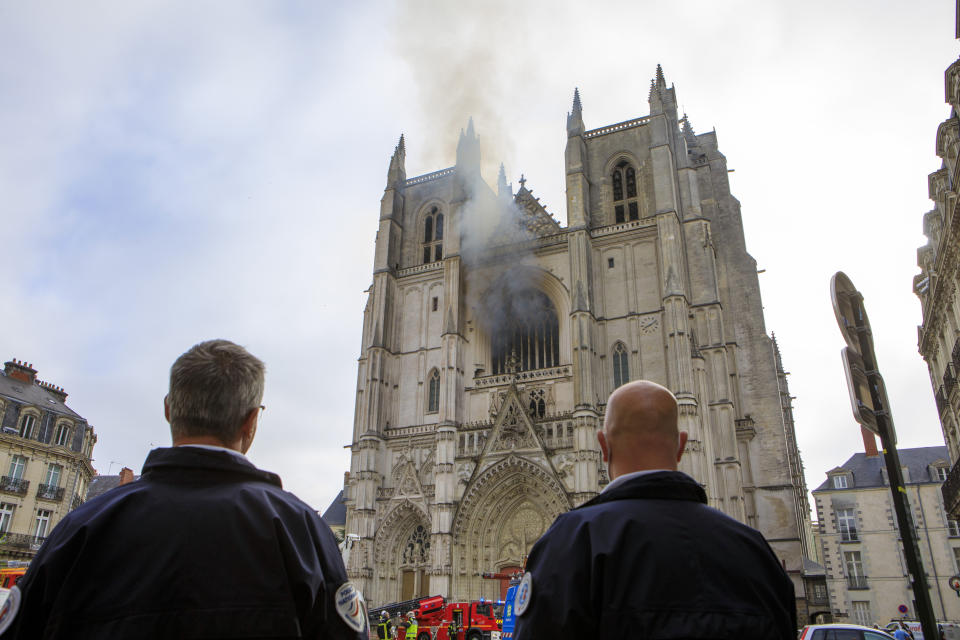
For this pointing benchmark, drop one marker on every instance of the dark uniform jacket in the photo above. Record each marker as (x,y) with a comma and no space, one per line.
(204,545)
(649,559)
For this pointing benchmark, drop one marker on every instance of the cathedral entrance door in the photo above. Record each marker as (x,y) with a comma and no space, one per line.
(407,582)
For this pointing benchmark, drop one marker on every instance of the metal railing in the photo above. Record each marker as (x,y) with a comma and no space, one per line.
(50,492)
(949,379)
(956,353)
(857,582)
(76,502)
(941,399)
(18,486)
(951,491)
(21,541)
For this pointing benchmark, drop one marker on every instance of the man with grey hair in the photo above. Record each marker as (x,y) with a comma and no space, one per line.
(647,558)
(204,545)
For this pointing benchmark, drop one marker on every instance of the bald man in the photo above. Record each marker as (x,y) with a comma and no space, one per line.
(647,558)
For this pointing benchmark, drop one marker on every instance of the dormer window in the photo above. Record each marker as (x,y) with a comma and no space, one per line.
(625,204)
(433,236)
(840,482)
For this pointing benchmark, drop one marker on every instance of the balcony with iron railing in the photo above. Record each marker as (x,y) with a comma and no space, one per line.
(951,492)
(21,541)
(956,351)
(949,380)
(50,492)
(76,502)
(857,582)
(18,486)
(941,399)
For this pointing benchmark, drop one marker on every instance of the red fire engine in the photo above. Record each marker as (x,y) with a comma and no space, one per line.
(438,619)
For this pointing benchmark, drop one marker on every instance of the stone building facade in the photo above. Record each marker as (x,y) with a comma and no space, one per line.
(45,459)
(938,284)
(493,335)
(866,571)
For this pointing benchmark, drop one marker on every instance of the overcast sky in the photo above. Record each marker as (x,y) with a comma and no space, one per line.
(177,171)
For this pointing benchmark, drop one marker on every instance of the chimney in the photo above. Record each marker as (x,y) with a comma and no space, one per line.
(126,475)
(54,390)
(20,371)
(869,443)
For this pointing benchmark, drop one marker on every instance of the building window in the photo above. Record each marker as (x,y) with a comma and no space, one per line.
(625,193)
(43,521)
(433,236)
(63,434)
(26,425)
(953,528)
(861,612)
(17,465)
(941,473)
(53,475)
(820,591)
(527,334)
(6,516)
(433,304)
(433,392)
(854,565)
(839,482)
(956,558)
(417,549)
(621,366)
(847,525)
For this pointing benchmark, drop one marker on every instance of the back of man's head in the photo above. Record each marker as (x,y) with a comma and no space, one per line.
(213,388)
(640,428)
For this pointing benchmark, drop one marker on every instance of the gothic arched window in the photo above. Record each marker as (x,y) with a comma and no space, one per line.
(525,333)
(621,366)
(417,549)
(433,392)
(433,236)
(625,192)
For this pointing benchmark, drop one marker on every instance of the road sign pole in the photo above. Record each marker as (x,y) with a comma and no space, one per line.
(873,412)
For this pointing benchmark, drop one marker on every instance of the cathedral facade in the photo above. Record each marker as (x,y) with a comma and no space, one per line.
(493,336)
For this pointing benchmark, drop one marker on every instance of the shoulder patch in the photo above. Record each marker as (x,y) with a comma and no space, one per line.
(8,612)
(524,593)
(351,607)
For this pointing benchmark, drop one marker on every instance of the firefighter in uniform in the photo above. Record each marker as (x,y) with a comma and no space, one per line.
(413,626)
(647,557)
(385,628)
(203,545)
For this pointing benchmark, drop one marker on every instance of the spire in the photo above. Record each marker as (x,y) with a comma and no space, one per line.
(397,173)
(575,117)
(503,189)
(687,129)
(468,150)
(660,80)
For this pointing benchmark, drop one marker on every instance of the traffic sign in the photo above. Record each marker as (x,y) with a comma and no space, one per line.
(954,583)
(851,314)
(903,609)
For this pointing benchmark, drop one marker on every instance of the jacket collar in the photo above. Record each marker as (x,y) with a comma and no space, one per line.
(186,459)
(662,485)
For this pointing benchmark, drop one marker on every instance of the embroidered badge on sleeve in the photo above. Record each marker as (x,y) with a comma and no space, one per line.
(524,593)
(351,607)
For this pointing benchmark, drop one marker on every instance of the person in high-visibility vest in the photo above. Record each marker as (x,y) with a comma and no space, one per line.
(385,627)
(412,628)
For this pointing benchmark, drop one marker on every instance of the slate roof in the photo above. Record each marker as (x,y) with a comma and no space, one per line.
(34,394)
(867,471)
(336,513)
(811,568)
(99,485)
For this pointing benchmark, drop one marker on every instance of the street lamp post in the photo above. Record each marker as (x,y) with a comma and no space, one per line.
(871,409)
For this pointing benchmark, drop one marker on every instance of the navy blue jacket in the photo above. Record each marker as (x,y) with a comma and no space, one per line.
(649,559)
(204,545)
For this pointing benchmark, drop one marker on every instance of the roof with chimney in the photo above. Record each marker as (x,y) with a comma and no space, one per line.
(18,381)
(336,513)
(99,485)
(868,471)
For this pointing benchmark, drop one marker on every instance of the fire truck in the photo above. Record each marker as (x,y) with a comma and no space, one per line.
(436,618)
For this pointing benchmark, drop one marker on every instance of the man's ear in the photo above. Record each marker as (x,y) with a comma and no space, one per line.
(604,446)
(249,429)
(166,407)
(683,444)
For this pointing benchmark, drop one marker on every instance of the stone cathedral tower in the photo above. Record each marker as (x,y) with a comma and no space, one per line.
(492,337)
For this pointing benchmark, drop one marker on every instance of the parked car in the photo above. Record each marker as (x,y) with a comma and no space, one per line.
(842,632)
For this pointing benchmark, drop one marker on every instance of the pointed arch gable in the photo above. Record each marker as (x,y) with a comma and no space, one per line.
(395,527)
